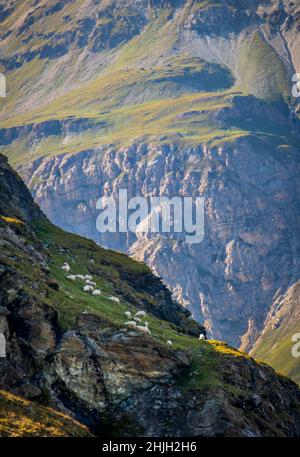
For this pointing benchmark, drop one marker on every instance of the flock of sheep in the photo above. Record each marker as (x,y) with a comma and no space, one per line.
(90,286)
(137,322)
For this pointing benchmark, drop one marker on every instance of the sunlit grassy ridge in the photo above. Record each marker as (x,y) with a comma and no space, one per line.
(147,88)
(262,72)
(275,346)
(49,76)
(277,353)
(186,119)
(12,220)
(23,418)
(129,86)
(174,100)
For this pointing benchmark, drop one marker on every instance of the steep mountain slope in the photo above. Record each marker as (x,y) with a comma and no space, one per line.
(20,417)
(276,343)
(72,352)
(168,98)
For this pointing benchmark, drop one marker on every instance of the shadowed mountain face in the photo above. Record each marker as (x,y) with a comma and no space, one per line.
(71,355)
(181,98)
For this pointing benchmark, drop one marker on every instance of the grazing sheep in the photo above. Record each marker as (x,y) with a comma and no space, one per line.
(131,324)
(90,283)
(202,337)
(88,288)
(80,277)
(146,324)
(66,267)
(143,329)
(96,292)
(71,277)
(88,277)
(128,314)
(140,314)
(114,299)
(137,319)
(169,343)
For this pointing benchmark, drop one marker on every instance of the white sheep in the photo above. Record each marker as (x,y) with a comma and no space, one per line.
(88,288)
(169,343)
(130,324)
(80,277)
(71,277)
(143,329)
(114,299)
(2,345)
(201,337)
(128,314)
(146,324)
(137,319)
(88,277)
(140,314)
(96,292)
(66,267)
(90,283)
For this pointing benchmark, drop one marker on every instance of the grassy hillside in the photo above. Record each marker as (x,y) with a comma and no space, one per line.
(114,273)
(23,418)
(125,72)
(117,275)
(262,72)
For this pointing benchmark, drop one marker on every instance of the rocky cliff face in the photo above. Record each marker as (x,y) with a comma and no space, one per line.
(167,98)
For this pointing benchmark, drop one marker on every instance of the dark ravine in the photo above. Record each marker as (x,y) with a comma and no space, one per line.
(115,380)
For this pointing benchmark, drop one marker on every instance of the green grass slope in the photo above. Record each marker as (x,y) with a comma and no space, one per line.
(142,85)
(263,73)
(275,345)
(23,418)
